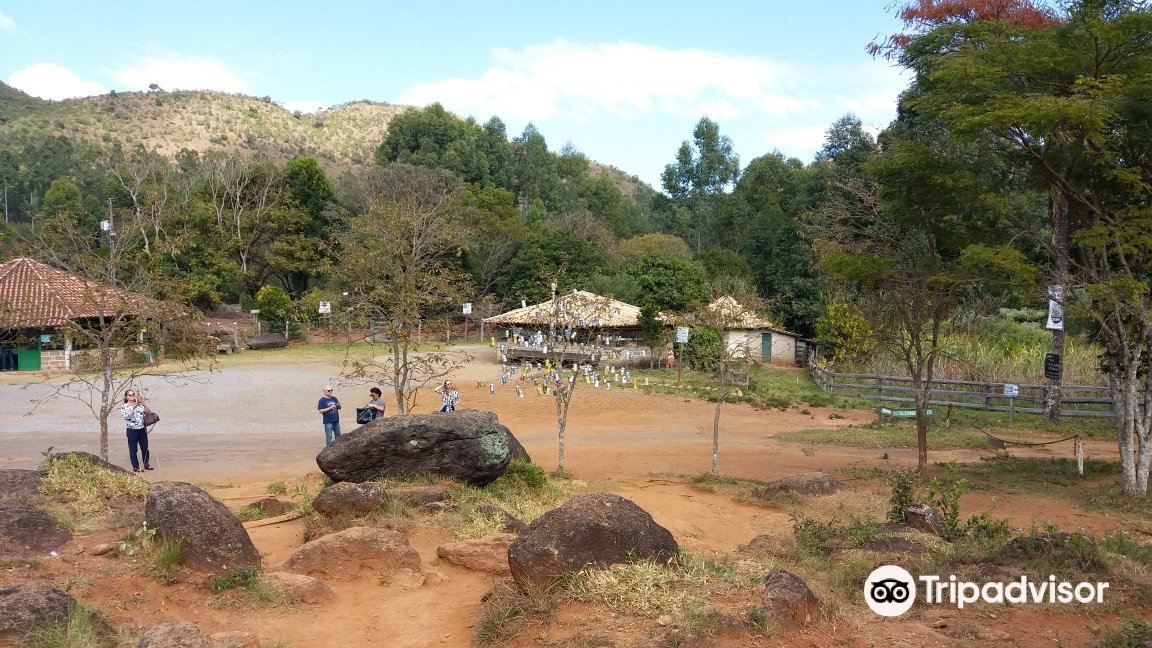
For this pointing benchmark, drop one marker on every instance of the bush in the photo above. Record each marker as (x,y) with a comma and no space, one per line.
(704,348)
(82,629)
(843,333)
(903,483)
(88,488)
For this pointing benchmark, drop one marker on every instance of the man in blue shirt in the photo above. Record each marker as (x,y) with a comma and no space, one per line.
(329,408)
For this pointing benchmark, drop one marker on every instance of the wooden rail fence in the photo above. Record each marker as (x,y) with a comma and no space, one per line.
(1076,400)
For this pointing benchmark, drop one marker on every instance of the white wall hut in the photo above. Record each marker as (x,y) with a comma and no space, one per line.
(747,333)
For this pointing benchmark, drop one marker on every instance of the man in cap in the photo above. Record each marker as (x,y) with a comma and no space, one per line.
(329,408)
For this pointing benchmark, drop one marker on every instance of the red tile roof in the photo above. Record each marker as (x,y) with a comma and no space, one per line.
(33,294)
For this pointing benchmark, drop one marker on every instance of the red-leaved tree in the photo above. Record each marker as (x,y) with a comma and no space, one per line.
(922,16)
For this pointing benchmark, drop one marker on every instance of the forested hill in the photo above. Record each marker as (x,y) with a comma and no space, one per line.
(341,138)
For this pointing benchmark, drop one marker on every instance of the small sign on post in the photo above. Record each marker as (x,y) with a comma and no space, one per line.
(467,308)
(1052,366)
(325,308)
(1055,308)
(1011,390)
(681,335)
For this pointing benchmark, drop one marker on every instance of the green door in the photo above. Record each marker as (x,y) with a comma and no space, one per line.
(28,359)
(766,347)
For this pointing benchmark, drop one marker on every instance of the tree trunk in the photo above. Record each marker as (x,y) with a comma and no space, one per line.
(561,424)
(106,407)
(1125,407)
(921,433)
(1061,241)
(716,420)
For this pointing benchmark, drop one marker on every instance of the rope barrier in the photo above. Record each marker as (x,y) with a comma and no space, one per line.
(997,442)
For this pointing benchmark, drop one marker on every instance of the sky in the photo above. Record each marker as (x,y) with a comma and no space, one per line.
(623,82)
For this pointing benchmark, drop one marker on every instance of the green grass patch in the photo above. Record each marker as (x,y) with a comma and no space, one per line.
(767,387)
(251,513)
(82,629)
(1123,544)
(888,435)
(508,609)
(335,353)
(243,588)
(524,490)
(276,488)
(165,558)
(85,488)
(1134,633)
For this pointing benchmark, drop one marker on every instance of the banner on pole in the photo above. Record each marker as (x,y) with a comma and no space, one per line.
(1055,308)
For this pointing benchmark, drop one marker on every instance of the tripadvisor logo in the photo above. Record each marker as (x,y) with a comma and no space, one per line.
(890,591)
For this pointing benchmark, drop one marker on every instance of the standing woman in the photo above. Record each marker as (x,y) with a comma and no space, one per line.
(133,411)
(449,396)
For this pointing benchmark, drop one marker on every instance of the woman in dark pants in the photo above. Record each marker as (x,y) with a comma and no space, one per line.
(133,411)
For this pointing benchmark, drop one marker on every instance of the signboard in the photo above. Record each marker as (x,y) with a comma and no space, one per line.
(884,411)
(681,335)
(325,308)
(1011,390)
(255,311)
(1052,366)
(1055,308)
(468,308)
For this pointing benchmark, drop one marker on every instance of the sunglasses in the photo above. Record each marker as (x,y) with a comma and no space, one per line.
(130,394)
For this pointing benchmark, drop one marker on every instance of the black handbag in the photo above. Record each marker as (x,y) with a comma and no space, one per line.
(365,415)
(151,418)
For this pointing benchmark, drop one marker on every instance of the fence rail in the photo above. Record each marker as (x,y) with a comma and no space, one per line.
(1076,400)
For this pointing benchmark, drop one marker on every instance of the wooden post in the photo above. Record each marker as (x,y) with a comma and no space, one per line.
(880,387)
(1079,457)
(1012,411)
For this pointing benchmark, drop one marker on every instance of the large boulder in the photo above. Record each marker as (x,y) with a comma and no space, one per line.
(298,586)
(175,635)
(517,452)
(26,530)
(597,529)
(346,497)
(267,341)
(788,599)
(813,483)
(488,554)
(25,605)
(344,553)
(15,482)
(214,538)
(469,446)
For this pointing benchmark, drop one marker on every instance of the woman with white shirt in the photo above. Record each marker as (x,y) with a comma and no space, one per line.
(133,411)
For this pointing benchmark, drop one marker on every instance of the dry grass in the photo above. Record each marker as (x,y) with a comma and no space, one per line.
(87,490)
(653,588)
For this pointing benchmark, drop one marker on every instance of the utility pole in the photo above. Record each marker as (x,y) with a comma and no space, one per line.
(5,198)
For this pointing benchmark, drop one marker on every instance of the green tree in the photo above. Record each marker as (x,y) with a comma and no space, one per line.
(547,257)
(1066,101)
(312,190)
(434,138)
(275,305)
(704,169)
(668,283)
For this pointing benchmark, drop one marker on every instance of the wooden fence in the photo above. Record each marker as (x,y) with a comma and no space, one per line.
(1076,400)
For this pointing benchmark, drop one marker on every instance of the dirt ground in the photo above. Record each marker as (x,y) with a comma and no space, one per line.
(239,428)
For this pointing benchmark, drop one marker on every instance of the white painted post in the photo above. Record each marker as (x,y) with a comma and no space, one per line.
(1079,456)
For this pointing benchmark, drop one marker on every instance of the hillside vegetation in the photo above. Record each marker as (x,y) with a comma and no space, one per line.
(341,138)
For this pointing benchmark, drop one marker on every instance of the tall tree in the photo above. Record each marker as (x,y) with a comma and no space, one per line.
(1067,101)
(398,261)
(704,169)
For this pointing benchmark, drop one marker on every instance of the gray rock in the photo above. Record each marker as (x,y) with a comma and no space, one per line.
(267,341)
(597,529)
(347,497)
(469,446)
(421,497)
(25,605)
(214,538)
(344,553)
(789,600)
(175,635)
(814,483)
(922,517)
(27,531)
(488,554)
(15,482)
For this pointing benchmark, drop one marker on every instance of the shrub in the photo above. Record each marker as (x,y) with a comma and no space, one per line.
(704,348)
(903,483)
(81,629)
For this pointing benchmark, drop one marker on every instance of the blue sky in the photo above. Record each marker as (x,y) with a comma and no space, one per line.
(624,82)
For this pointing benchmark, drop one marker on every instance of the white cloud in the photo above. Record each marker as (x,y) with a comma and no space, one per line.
(51,81)
(305,106)
(179,73)
(623,80)
(6,21)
